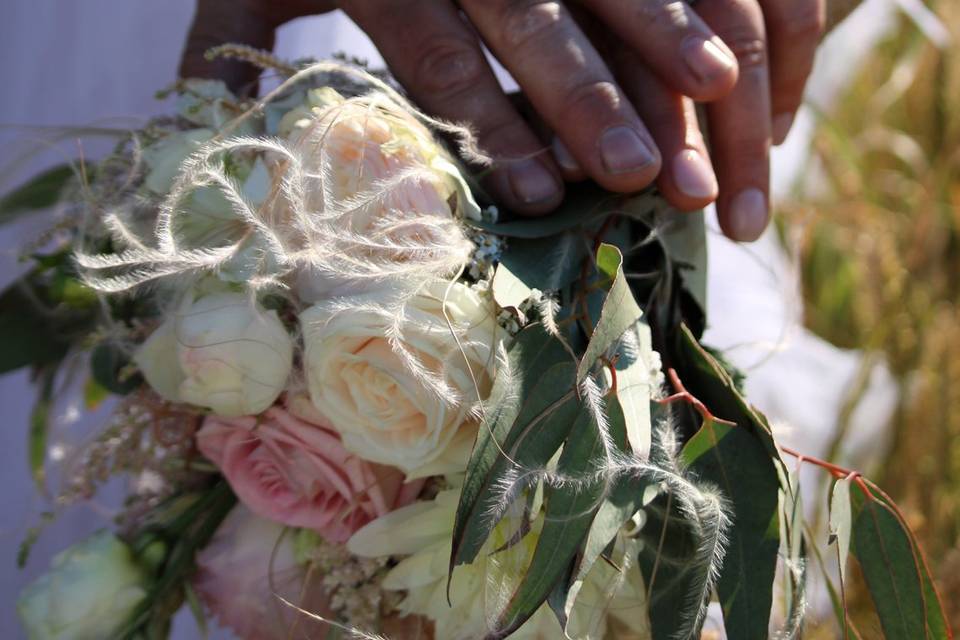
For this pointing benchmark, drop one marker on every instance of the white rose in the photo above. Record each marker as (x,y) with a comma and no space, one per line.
(220,352)
(382,411)
(91,590)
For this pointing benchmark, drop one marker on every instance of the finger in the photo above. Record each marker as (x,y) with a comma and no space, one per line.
(438,59)
(686,180)
(570,169)
(675,42)
(571,88)
(794,28)
(216,22)
(739,124)
(250,22)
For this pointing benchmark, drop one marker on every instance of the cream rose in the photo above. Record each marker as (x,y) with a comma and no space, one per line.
(381,195)
(367,391)
(221,352)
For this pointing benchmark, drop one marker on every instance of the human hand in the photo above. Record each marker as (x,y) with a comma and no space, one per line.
(620,103)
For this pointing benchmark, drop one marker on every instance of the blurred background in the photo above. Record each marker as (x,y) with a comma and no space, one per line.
(844,315)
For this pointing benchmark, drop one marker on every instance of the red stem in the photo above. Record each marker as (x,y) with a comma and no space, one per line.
(683,395)
(835,470)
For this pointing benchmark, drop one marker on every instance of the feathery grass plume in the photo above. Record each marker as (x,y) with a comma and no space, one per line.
(704,509)
(356,197)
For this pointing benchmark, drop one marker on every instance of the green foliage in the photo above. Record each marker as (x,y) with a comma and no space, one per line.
(39,426)
(533,354)
(567,520)
(40,192)
(178,530)
(31,331)
(894,569)
(112,369)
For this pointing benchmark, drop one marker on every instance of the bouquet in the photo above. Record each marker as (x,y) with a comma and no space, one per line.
(354,399)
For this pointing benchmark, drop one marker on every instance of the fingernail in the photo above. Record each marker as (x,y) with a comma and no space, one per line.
(705,58)
(781,127)
(623,150)
(564,158)
(531,182)
(748,215)
(693,175)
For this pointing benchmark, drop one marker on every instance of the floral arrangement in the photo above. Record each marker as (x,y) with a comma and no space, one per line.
(356,400)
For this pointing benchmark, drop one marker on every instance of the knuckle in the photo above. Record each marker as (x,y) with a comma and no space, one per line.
(805,19)
(500,131)
(523,21)
(669,15)
(448,66)
(593,98)
(747,46)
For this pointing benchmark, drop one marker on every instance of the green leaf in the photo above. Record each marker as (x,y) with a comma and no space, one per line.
(584,203)
(836,599)
(792,548)
(569,514)
(518,393)
(112,369)
(684,240)
(841,522)
(93,394)
(620,310)
(31,335)
(543,422)
(936,620)
(40,192)
(667,563)
(508,290)
(39,426)
(73,293)
(893,567)
(638,377)
(747,466)
(706,379)
(196,608)
(735,461)
(188,533)
(629,492)
(548,263)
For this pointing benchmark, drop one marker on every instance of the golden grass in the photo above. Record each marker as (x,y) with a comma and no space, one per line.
(880,263)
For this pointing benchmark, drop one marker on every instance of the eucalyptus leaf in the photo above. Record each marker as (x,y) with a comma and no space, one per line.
(627,494)
(583,204)
(541,426)
(620,310)
(40,426)
(666,560)
(31,333)
(894,570)
(637,369)
(841,522)
(792,548)
(38,193)
(569,513)
(508,290)
(521,390)
(112,369)
(735,461)
(684,239)
(548,263)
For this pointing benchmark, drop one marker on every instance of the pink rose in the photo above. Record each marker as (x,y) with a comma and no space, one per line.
(296,472)
(248,563)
